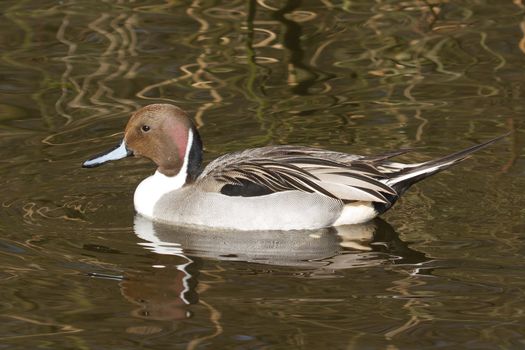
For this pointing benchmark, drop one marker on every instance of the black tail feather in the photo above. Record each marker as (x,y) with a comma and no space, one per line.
(409,176)
(402,180)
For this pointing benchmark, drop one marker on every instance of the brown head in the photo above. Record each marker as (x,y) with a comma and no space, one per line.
(162,133)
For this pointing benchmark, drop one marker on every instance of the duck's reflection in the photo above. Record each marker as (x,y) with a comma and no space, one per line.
(341,247)
(165,291)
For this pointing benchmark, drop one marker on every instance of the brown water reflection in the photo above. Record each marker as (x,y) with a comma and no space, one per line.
(371,244)
(354,76)
(165,291)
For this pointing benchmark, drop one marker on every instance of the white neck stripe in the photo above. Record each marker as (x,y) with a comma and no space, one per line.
(184,169)
(151,189)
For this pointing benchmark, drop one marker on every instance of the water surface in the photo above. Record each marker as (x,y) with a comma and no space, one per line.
(443,269)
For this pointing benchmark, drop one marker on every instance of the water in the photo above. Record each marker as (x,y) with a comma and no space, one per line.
(443,269)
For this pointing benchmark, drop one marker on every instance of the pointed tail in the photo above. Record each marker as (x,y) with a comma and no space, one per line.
(409,176)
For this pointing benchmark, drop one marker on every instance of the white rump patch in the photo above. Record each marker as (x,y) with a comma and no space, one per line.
(356,213)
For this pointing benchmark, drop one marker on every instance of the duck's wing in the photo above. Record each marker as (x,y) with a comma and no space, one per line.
(268,170)
(342,176)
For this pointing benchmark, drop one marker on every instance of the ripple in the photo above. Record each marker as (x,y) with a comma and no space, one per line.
(354,76)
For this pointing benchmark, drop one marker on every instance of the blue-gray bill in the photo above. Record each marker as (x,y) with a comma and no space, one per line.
(119,152)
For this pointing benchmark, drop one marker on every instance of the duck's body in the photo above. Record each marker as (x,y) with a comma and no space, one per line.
(276,211)
(268,188)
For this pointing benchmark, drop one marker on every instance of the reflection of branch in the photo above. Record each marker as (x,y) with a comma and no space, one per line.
(121,40)
(158,7)
(510,121)
(521,44)
(292,42)
(63,328)
(147,89)
(417,115)
(515,150)
(12,14)
(202,64)
(215,316)
(319,50)
(413,305)
(122,44)
(69,68)
(253,66)
(266,6)
(501,59)
(197,76)
(117,48)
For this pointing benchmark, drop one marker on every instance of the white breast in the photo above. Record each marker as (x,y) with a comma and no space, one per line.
(151,189)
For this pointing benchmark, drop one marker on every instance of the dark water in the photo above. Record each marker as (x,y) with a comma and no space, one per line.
(443,269)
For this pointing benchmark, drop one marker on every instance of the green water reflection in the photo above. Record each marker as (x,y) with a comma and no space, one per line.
(444,268)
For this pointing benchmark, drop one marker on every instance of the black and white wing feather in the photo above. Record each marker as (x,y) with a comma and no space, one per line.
(287,168)
(345,177)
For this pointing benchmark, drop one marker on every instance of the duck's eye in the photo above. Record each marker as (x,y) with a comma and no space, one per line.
(145,128)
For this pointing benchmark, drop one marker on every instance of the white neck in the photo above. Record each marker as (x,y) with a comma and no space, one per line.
(151,189)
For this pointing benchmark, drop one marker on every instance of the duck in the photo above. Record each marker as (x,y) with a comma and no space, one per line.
(278,187)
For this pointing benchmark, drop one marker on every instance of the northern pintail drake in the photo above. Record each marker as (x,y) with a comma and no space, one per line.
(267,188)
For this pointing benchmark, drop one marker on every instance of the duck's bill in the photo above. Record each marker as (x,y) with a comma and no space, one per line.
(119,152)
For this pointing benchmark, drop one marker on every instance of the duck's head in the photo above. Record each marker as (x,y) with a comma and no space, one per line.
(162,133)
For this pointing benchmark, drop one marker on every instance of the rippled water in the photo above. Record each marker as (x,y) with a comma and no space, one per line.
(443,269)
